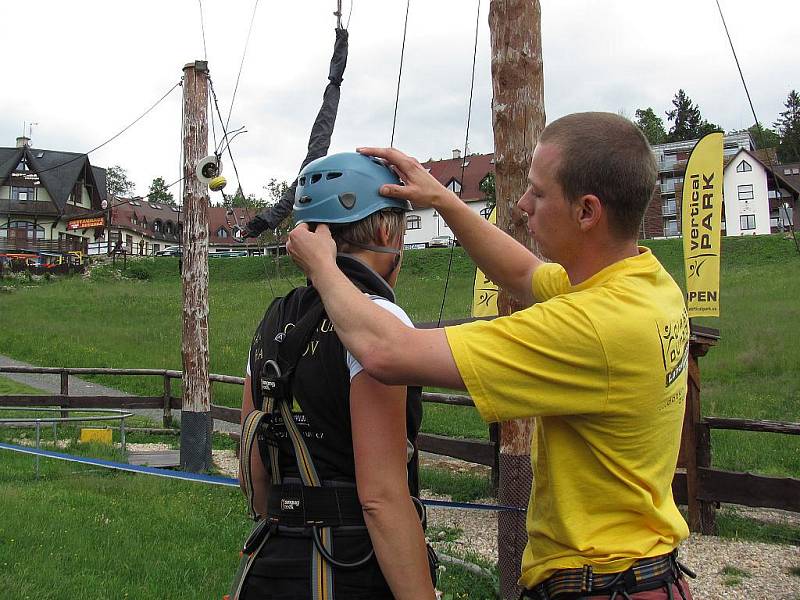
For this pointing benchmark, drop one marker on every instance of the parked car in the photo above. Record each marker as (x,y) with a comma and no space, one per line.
(440,241)
(171,251)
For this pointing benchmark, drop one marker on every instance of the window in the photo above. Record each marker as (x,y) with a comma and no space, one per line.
(795,170)
(157,226)
(144,222)
(746,192)
(23,165)
(486,212)
(668,207)
(23,193)
(454,185)
(743,167)
(169,229)
(222,232)
(747,222)
(413,222)
(670,227)
(134,220)
(24,230)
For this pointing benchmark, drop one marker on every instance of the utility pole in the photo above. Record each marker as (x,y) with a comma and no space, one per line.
(518,119)
(196,421)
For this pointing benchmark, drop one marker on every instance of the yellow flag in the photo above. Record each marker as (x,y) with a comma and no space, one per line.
(701,220)
(484,293)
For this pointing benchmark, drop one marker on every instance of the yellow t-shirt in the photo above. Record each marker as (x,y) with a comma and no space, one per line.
(603,364)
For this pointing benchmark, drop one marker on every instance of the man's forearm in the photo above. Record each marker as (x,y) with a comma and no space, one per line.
(502,259)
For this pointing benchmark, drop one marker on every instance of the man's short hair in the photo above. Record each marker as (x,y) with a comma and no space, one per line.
(608,156)
(365,230)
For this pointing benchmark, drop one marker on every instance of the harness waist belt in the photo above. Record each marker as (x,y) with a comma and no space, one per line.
(296,505)
(644,574)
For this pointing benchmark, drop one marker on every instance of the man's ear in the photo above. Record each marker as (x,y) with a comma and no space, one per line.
(383,238)
(589,211)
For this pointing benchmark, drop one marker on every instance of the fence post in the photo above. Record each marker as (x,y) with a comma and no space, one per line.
(65,392)
(494,438)
(167,420)
(708,517)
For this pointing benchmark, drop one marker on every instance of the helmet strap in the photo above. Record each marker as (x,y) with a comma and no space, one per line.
(371,248)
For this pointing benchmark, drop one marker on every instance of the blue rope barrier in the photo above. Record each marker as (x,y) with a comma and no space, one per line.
(215,479)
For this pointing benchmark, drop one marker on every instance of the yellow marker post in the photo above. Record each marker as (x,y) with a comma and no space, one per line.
(96,435)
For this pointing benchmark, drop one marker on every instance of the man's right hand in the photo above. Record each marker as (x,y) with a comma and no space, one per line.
(421,188)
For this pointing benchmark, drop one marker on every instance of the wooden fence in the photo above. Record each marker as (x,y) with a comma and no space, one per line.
(695,484)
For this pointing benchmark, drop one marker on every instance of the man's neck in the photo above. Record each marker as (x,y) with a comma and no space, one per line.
(593,259)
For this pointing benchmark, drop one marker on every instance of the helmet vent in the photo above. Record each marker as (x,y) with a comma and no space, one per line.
(302,181)
(333,175)
(304,199)
(316,177)
(348,200)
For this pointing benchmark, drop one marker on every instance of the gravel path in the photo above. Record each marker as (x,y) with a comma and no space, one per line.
(51,383)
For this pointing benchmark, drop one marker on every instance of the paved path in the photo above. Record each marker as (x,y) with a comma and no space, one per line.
(51,383)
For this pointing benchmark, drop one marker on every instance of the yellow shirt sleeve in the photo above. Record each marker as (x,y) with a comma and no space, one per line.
(548,281)
(544,360)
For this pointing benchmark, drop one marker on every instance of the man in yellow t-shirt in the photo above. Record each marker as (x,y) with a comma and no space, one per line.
(600,355)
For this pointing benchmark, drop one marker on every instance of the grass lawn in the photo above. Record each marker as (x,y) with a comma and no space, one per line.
(134,321)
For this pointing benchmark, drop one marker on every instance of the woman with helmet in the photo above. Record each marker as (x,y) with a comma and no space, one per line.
(335,509)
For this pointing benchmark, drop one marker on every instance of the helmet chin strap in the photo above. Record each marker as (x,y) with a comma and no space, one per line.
(382,250)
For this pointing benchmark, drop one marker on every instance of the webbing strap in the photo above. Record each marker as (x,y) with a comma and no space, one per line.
(274,464)
(245,564)
(250,429)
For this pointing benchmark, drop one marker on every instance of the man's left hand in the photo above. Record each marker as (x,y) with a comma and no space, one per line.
(312,251)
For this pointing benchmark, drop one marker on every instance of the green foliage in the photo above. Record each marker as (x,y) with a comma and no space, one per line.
(763,136)
(135,270)
(487,186)
(117,182)
(159,192)
(651,125)
(788,126)
(688,123)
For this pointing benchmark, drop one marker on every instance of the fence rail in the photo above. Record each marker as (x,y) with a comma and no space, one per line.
(696,483)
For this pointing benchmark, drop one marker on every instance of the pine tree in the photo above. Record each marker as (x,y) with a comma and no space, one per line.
(688,123)
(788,127)
(159,192)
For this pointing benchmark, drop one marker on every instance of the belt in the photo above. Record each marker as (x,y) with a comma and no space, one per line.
(644,574)
(296,505)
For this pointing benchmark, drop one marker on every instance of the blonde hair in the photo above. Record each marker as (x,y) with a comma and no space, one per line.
(366,230)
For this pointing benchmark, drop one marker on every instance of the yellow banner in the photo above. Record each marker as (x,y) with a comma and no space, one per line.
(701,219)
(484,292)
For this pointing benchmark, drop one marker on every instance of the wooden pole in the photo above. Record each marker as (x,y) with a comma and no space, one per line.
(518,119)
(196,421)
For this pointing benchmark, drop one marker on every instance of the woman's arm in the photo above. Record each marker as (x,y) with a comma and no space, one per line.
(378,417)
(261,480)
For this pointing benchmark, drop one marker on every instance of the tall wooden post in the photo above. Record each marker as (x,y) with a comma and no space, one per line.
(518,119)
(196,421)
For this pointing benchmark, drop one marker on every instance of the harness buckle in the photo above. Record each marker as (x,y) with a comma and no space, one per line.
(273,382)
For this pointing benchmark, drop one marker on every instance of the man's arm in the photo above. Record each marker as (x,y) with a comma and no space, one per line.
(388,350)
(502,258)
(261,479)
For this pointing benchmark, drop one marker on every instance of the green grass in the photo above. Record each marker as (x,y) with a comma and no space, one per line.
(135,321)
(78,532)
(733,576)
(732,525)
(9,387)
(463,487)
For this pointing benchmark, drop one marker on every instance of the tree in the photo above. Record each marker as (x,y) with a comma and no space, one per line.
(688,123)
(239,200)
(651,125)
(117,182)
(788,126)
(487,187)
(764,137)
(275,190)
(159,192)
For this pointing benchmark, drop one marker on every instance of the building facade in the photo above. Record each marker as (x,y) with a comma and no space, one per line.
(49,200)
(463,176)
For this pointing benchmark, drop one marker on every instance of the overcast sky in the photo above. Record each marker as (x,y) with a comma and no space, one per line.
(83,70)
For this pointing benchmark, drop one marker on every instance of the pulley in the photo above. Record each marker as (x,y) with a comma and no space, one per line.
(208,169)
(217,184)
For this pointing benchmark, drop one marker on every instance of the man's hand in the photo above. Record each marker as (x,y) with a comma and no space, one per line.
(312,251)
(421,188)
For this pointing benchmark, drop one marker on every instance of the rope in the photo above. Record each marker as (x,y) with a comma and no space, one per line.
(400,73)
(116,135)
(215,479)
(464,159)
(241,64)
(757,122)
(225,133)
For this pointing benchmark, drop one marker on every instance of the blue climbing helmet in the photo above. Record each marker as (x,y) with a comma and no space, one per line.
(343,188)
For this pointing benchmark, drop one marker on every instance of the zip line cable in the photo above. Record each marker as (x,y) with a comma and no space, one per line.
(116,135)
(203,29)
(464,159)
(757,123)
(400,73)
(241,64)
